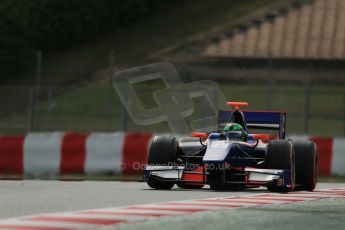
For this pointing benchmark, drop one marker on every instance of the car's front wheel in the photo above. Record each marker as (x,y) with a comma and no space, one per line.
(163,151)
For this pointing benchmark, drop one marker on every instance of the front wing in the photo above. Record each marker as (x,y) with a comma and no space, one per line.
(253,176)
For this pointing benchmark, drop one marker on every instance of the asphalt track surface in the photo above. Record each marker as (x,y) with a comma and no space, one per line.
(22,198)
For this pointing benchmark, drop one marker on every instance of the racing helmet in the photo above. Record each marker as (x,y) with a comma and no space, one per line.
(234,131)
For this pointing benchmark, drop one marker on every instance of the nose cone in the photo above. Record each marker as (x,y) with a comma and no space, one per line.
(217,151)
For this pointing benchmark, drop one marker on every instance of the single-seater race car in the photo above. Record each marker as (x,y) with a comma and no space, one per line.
(233,158)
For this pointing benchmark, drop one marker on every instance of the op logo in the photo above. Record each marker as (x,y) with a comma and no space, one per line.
(174,103)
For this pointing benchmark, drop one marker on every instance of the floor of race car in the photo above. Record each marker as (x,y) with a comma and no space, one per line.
(40,198)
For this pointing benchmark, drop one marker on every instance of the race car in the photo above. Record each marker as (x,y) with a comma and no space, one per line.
(233,157)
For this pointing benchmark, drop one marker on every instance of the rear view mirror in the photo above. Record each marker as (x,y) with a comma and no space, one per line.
(200,135)
(265,137)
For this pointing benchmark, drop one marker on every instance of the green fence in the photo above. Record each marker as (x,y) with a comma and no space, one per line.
(98,108)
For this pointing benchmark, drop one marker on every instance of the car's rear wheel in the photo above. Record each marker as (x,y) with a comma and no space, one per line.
(280,155)
(189,149)
(163,151)
(306,165)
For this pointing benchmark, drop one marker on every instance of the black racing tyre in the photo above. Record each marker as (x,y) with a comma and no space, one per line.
(280,154)
(157,184)
(190,186)
(163,151)
(306,165)
(189,147)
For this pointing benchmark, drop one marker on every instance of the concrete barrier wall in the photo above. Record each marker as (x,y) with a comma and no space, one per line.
(52,154)
(56,154)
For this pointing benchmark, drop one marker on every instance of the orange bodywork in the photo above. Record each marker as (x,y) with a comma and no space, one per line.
(200,135)
(194,177)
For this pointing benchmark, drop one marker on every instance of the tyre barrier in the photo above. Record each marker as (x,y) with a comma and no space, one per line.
(57,154)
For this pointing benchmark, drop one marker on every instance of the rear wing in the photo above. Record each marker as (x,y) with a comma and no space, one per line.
(264,120)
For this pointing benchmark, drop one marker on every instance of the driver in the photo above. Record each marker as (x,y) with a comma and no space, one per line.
(234,131)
